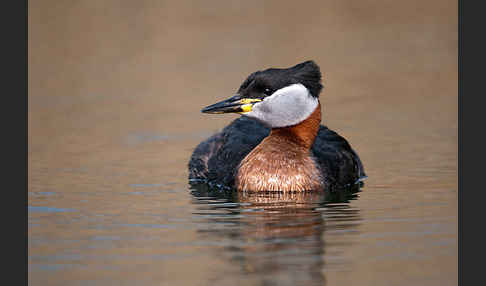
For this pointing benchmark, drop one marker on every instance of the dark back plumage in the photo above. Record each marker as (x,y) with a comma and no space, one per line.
(216,160)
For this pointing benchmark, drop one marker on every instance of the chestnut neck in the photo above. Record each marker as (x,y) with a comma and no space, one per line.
(303,133)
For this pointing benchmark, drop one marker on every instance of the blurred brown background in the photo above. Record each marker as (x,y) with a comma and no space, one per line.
(116,87)
(169,58)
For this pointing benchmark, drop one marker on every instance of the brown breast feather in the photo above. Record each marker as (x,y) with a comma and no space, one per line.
(283,160)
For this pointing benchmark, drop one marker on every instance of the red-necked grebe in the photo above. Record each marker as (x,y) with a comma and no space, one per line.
(278,144)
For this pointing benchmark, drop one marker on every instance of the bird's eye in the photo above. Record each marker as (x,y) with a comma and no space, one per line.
(267,91)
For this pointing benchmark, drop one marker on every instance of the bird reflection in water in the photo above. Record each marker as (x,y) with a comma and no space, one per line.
(276,238)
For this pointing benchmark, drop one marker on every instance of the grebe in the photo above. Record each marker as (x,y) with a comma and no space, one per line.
(278,144)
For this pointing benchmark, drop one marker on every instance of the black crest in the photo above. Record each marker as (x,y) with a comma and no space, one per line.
(263,83)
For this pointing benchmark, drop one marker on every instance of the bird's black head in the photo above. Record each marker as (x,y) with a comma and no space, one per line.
(276,97)
(264,83)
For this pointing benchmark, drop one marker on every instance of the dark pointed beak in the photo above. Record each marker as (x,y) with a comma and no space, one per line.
(235,104)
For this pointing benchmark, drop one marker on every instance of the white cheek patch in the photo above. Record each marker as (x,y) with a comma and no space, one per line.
(285,107)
